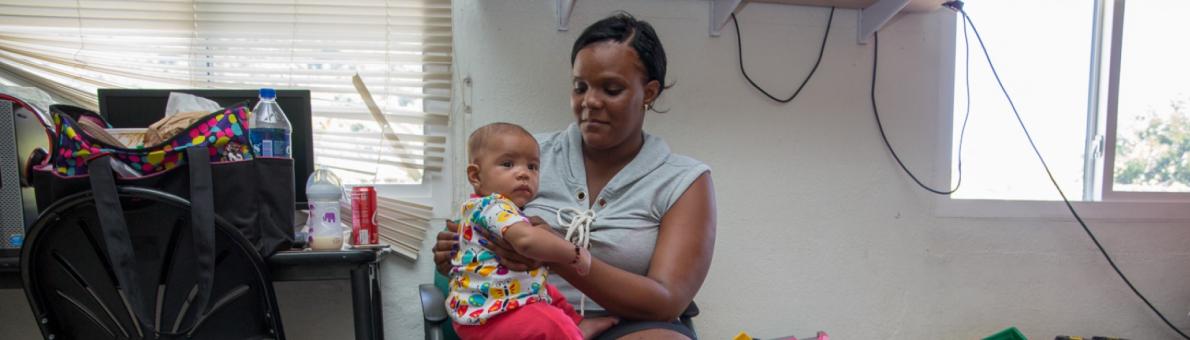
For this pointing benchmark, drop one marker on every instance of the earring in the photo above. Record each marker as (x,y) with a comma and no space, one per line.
(647,107)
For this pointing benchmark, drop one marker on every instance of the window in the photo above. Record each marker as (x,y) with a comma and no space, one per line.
(400,48)
(1102,141)
(1149,144)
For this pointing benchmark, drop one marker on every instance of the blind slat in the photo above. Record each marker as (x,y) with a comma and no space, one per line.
(392,118)
(433,148)
(399,136)
(357,154)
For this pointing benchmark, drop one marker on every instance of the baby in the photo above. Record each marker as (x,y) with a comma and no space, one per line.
(487,300)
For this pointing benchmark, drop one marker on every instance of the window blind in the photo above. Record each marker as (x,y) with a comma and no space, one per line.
(400,48)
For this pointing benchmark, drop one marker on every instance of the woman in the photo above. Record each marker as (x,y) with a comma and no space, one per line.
(653,233)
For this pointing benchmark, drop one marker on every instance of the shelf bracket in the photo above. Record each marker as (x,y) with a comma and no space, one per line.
(564,8)
(721,10)
(875,16)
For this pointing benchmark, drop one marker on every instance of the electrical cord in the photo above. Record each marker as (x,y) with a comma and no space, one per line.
(958,6)
(962,132)
(821,49)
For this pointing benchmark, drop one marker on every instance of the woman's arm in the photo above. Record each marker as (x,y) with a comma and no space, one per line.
(680,263)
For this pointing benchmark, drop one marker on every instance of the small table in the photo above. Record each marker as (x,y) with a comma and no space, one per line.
(361,267)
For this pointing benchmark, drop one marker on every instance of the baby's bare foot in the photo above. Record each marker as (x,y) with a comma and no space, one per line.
(593,326)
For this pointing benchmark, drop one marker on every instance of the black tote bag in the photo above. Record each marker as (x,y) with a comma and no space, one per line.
(255,195)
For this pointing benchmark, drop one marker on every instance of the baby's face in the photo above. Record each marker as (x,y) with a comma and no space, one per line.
(509,166)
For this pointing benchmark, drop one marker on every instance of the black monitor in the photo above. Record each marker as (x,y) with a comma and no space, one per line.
(138,108)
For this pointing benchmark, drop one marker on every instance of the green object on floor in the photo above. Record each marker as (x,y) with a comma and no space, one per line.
(1010,333)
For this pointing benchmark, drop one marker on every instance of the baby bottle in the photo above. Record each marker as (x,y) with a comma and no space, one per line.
(324,192)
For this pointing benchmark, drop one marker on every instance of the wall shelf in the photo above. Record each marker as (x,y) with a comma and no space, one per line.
(873,14)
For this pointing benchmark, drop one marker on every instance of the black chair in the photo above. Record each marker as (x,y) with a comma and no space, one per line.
(436,322)
(74,292)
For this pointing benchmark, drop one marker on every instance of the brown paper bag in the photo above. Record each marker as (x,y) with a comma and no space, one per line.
(167,127)
(99,133)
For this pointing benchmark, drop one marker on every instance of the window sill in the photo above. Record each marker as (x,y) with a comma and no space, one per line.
(1131,211)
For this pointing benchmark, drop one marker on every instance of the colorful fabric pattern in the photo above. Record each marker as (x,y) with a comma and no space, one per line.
(481,288)
(224,134)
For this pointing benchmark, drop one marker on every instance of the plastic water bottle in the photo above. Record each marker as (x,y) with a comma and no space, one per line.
(324,192)
(269,129)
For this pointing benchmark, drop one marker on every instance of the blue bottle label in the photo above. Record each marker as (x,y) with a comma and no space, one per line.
(270,142)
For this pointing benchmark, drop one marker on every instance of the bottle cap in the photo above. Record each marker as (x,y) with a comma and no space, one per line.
(323,185)
(268,93)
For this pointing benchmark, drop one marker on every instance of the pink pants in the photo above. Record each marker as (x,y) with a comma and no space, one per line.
(556,320)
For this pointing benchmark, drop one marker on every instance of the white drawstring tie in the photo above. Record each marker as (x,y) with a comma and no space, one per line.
(578,231)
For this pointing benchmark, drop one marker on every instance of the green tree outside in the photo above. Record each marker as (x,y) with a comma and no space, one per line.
(1157,156)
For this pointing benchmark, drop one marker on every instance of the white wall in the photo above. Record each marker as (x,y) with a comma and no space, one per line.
(818,227)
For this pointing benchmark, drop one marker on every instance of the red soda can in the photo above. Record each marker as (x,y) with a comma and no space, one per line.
(363,216)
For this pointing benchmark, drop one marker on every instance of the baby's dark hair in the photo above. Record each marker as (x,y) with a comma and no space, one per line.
(622,27)
(479,137)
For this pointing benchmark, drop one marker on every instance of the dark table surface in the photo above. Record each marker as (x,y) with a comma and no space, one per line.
(295,265)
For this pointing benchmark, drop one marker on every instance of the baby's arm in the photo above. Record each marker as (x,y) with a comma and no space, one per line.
(543,245)
(501,221)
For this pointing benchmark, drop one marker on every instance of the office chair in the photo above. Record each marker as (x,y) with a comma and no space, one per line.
(74,290)
(437,323)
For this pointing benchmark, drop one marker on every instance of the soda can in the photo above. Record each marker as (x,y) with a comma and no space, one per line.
(363,216)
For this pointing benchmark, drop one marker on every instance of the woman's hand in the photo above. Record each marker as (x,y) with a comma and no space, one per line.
(445,247)
(448,243)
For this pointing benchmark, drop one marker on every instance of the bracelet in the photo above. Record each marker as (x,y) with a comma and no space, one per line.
(577,255)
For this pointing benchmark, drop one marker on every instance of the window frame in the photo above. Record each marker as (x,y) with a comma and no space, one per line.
(1114,208)
(1108,137)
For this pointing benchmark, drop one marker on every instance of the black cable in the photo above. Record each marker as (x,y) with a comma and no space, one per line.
(962,132)
(821,49)
(968,20)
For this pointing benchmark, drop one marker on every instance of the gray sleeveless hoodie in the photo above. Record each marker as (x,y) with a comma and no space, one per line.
(628,210)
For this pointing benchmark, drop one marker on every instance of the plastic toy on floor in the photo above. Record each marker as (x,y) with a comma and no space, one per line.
(821,336)
(1010,333)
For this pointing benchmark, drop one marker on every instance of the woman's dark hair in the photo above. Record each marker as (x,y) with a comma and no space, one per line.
(621,27)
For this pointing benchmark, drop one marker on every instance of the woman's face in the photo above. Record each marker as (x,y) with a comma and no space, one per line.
(609,91)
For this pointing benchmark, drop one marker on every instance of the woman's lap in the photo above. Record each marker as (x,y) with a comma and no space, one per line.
(647,330)
(630,329)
